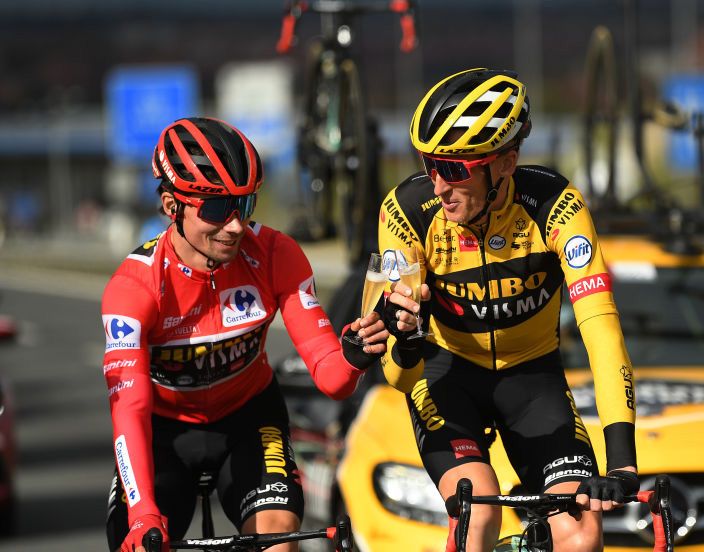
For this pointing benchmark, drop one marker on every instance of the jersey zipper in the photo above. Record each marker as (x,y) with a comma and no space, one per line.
(211,278)
(487,296)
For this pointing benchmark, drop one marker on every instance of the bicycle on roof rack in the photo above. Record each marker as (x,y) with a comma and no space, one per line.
(600,135)
(334,135)
(537,536)
(340,535)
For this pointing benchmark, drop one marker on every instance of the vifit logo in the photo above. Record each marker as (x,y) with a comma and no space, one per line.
(578,252)
(389,266)
(240,305)
(121,332)
(307,295)
(124,467)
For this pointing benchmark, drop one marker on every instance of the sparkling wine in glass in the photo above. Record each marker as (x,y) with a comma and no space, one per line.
(409,273)
(374,283)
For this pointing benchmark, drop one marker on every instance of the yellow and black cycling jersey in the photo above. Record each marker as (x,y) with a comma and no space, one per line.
(495,297)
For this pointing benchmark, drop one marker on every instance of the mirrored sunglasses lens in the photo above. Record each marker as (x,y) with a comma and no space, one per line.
(452,171)
(222,209)
(215,209)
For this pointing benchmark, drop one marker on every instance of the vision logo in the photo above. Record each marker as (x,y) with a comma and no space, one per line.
(241,304)
(578,252)
(121,332)
(307,295)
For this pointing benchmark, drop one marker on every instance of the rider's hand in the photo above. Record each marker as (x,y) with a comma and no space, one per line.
(133,540)
(606,493)
(372,330)
(400,310)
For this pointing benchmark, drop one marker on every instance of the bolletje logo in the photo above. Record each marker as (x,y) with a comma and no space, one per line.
(578,252)
(121,332)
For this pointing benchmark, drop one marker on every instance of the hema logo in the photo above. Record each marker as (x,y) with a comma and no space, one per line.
(121,332)
(241,304)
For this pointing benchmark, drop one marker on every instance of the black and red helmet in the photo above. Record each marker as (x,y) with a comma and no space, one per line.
(200,155)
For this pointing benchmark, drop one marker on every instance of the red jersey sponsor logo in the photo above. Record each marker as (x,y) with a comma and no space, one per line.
(468,243)
(464,448)
(554,234)
(591,284)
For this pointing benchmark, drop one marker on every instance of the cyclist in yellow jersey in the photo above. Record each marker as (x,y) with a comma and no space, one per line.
(496,241)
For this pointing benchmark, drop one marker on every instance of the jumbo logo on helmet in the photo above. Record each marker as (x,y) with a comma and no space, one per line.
(504,131)
(166,167)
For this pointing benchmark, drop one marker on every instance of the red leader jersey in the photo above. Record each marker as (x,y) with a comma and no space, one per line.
(189,345)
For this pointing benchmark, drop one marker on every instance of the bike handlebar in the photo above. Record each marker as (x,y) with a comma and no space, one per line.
(658,501)
(296,8)
(340,535)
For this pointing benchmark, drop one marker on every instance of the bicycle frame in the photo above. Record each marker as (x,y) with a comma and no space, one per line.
(542,506)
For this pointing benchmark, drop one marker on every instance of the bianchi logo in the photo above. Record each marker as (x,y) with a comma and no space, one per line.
(241,305)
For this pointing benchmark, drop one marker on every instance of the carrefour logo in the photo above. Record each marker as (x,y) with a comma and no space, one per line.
(578,252)
(307,294)
(124,467)
(240,305)
(121,332)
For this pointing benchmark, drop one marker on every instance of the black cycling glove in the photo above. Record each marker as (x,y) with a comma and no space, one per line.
(615,486)
(354,354)
(390,318)
(406,352)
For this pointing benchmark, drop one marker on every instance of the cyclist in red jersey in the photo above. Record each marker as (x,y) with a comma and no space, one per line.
(186,317)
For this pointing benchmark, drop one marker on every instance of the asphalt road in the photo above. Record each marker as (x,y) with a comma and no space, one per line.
(62,419)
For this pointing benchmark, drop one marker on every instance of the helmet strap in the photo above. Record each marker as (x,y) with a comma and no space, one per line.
(491,194)
(178,220)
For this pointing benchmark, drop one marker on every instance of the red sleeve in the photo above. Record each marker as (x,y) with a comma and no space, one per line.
(306,321)
(128,312)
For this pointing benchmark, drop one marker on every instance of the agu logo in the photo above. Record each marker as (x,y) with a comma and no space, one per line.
(578,252)
(240,305)
(307,295)
(121,332)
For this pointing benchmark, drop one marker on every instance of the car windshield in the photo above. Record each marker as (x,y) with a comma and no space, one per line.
(661,312)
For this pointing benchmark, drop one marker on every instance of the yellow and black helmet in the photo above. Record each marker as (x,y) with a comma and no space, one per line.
(478,111)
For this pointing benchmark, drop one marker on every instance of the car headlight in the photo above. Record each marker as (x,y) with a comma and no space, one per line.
(408,491)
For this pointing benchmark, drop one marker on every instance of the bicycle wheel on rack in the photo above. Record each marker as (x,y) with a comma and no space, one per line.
(353,188)
(317,146)
(600,118)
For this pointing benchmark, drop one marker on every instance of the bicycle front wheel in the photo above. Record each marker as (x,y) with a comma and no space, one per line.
(353,190)
(601,114)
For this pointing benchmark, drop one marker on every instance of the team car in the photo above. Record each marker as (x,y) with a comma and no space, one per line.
(360,456)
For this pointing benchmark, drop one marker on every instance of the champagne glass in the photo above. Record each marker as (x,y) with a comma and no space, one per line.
(374,284)
(409,272)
